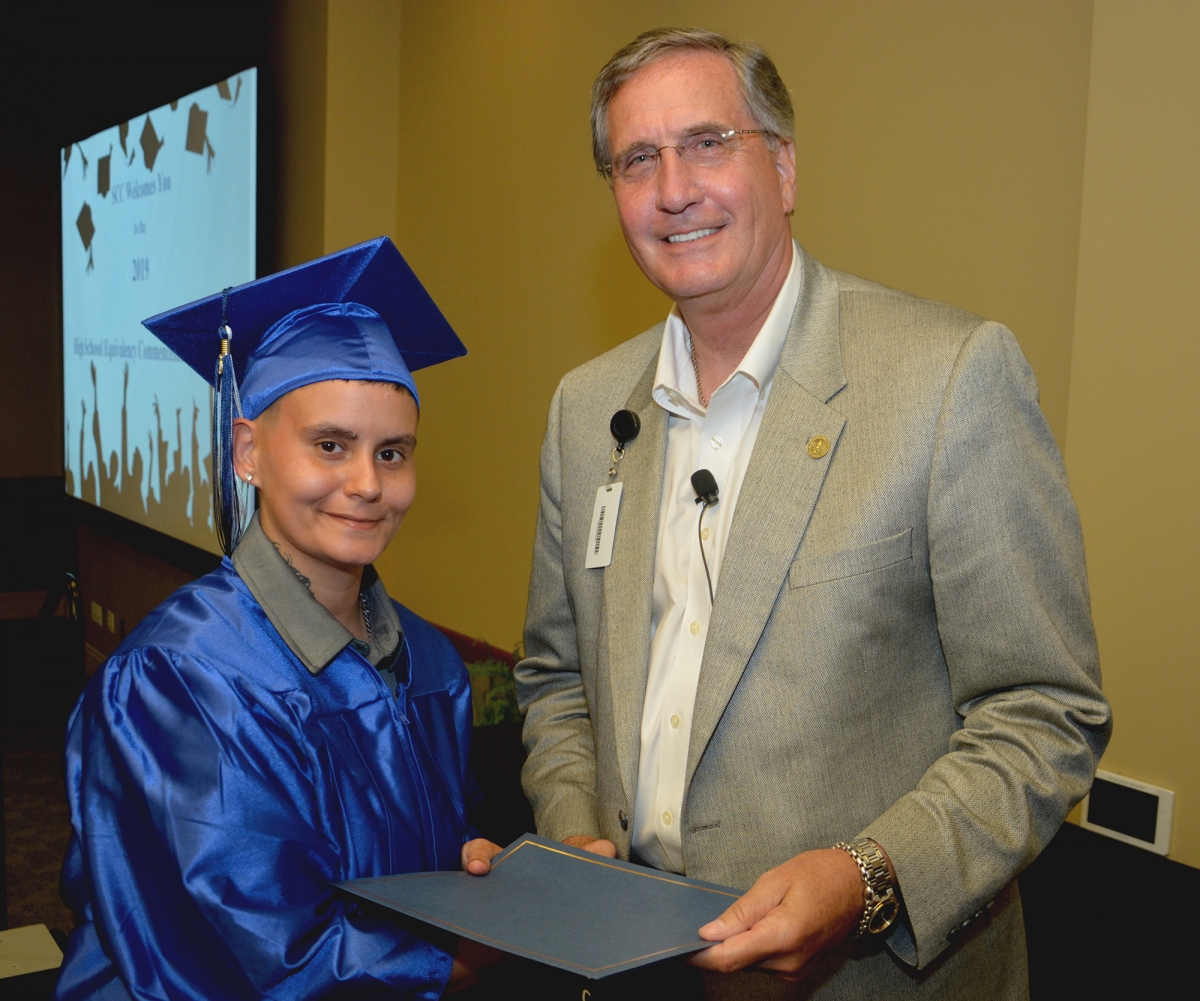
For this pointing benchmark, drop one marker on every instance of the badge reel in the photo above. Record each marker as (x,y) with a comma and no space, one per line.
(625,425)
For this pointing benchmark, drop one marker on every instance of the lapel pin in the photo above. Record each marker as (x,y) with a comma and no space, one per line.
(818,446)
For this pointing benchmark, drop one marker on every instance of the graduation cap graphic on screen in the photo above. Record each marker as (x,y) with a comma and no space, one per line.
(226,94)
(67,158)
(197,134)
(87,230)
(151,143)
(123,133)
(104,173)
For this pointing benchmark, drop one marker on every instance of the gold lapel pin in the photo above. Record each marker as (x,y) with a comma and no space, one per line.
(818,446)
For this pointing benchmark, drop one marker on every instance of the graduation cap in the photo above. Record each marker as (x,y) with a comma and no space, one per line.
(359,314)
(197,134)
(151,143)
(123,134)
(87,230)
(104,173)
(67,158)
(224,91)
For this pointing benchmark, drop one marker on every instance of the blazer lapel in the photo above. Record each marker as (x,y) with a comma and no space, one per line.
(778,494)
(629,579)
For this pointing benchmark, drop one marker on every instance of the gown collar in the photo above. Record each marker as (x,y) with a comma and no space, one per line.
(305,625)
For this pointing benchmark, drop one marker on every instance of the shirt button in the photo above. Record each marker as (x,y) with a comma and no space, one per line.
(675,720)
(705,534)
(667,817)
(695,628)
(716,441)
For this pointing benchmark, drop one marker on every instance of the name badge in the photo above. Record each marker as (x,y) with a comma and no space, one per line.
(604,526)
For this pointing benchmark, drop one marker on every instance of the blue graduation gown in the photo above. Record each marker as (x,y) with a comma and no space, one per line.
(217,788)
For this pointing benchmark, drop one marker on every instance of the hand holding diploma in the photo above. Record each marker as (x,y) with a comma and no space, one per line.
(598,846)
(477,856)
(790,916)
(472,958)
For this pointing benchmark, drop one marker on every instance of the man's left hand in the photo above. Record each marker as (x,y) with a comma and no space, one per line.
(791,915)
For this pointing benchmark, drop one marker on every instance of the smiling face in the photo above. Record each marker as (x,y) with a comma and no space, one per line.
(701,233)
(333,464)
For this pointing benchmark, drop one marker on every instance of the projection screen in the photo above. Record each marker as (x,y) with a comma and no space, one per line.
(156,212)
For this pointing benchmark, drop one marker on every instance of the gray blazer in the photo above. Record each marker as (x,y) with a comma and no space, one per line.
(901,645)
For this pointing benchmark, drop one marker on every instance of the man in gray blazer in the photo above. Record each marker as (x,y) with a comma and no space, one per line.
(861,685)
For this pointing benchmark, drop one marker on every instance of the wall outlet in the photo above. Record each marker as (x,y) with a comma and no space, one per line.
(97,614)
(1134,812)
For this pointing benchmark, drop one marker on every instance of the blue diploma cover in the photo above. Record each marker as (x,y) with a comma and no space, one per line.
(561,906)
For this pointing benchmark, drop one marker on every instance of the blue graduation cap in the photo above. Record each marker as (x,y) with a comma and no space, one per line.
(358,314)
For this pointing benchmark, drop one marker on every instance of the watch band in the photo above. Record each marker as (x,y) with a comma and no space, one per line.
(881,906)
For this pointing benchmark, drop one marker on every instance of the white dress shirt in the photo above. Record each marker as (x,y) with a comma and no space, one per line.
(720,439)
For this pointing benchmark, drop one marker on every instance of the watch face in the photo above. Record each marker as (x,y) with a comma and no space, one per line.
(883,914)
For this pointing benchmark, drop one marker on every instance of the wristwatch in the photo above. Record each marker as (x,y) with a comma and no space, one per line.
(881,906)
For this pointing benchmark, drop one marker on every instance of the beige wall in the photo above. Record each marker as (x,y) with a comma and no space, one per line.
(337,129)
(941,151)
(362,121)
(300,38)
(1134,422)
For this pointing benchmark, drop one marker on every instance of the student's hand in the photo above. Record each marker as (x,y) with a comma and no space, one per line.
(471,958)
(791,915)
(599,846)
(477,856)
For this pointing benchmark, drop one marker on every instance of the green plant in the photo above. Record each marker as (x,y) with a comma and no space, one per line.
(493,693)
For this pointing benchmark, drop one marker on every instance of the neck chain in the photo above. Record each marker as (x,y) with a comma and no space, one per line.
(366,612)
(696,370)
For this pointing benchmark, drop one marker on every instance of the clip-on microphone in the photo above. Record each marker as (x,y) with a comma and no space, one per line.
(705,485)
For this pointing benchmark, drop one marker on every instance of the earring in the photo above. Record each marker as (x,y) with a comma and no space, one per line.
(249,477)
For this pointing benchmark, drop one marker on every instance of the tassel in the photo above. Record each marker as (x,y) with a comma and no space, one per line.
(231,498)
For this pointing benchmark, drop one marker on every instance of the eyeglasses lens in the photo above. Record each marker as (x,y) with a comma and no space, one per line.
(705,150)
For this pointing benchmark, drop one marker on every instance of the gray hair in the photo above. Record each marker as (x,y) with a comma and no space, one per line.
(766,97)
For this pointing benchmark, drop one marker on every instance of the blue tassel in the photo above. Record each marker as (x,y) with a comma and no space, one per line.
(232,505)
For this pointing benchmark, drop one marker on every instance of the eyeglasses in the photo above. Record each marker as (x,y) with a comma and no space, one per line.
(704,149)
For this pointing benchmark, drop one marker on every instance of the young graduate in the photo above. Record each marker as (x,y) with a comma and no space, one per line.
(281,723)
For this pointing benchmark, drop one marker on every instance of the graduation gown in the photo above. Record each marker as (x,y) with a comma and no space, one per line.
(217,787)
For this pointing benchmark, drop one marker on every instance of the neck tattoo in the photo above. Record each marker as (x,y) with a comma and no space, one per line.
(696,371)
(292,566)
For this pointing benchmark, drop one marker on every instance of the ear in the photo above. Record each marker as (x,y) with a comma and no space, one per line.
(785,165)
(244,441)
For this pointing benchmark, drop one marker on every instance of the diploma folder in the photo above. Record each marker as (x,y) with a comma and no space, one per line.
(559,905)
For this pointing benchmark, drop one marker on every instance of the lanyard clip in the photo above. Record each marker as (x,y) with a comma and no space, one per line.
(625,426)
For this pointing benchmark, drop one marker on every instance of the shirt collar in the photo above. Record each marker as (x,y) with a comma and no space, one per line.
(675,387)
(305,625)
